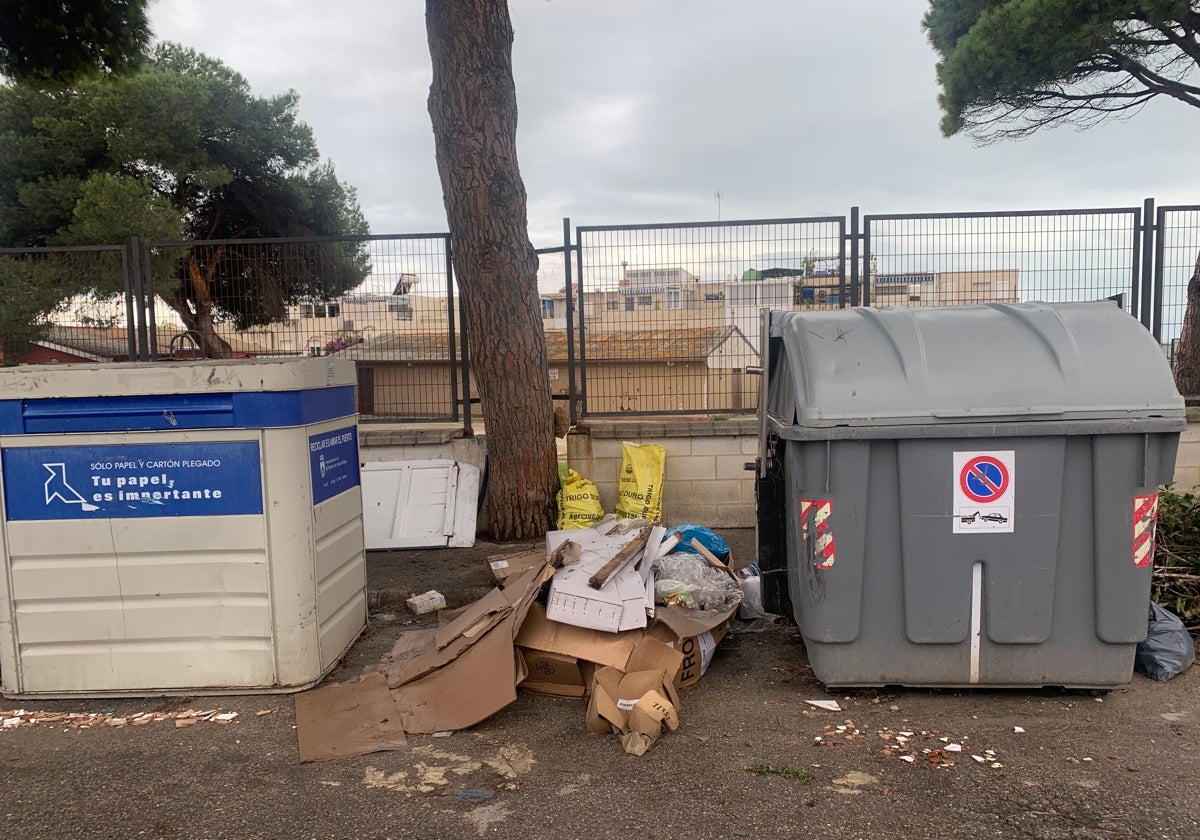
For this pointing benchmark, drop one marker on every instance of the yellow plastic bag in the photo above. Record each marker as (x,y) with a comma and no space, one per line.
(578,503)
(639,489)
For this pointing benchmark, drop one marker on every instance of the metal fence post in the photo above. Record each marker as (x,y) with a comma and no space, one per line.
(131,344)
(1148,300)
(582,399)
(858,295)
(139,294)
(1160,253)
(452,361)
(151,308)
(572,408)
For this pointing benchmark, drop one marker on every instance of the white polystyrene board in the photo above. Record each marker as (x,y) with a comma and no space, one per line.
(619,605)
(466,506)
(409,504)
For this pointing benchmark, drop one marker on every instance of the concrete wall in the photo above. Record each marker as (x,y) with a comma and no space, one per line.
(420,443)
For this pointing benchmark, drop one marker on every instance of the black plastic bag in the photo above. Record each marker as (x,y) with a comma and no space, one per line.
(1168,649)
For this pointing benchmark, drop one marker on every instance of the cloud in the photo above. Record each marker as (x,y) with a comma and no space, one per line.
(634,112)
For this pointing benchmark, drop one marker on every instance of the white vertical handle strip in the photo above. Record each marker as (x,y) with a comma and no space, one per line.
(976,617)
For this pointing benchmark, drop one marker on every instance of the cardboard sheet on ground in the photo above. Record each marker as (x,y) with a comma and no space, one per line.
(344,719)
(468,669)
(476,685)
(420,652)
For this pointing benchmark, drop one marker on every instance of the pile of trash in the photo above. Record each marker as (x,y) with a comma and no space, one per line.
(621,614)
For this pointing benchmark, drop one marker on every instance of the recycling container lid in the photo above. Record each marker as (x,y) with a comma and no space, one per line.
(966,364)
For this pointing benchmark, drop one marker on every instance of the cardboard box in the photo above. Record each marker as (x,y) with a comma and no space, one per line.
(552,673)
(561,643)
(697,651)
(695,634)
(637,703)
(502,567)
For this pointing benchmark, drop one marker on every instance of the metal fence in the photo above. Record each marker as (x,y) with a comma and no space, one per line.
(1177,249)
(639,319)
(939,259)
(666,314)
(386,302)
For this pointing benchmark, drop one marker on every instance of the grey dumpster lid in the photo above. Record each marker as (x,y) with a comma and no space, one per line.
(962,364)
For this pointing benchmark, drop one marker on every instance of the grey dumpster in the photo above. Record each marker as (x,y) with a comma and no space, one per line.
(178,527)
(962,496)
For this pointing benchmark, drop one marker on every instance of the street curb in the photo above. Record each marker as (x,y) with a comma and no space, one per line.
(380,599)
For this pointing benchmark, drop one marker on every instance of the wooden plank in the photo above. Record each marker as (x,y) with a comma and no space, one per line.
(609,569)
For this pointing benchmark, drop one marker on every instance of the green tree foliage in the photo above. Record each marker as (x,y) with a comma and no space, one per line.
(29,295)
(181,150)
(1010,67)
(59,42)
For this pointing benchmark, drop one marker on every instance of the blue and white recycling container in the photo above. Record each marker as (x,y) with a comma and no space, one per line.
(178,527)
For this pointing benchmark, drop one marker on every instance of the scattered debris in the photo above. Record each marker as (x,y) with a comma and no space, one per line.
(426,602)
(900,744)
(827,705)
(1018,730)
(23,718)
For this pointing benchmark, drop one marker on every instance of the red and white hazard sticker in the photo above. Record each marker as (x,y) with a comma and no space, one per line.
(824,549)
(1145,515)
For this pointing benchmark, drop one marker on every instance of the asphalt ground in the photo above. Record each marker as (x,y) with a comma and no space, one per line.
(750,759)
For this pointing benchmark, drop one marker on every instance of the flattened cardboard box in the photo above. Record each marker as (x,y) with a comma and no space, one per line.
(461,672)
(502,567)
(539,636)
(694,633)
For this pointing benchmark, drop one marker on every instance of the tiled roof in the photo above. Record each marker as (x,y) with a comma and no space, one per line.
(641,345)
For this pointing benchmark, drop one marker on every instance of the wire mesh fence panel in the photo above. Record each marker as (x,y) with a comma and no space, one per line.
(669,314)
(956,259)
(384,302)
(1178,254)
(64,305)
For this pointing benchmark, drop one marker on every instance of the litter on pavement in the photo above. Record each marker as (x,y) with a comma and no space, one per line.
(584,619)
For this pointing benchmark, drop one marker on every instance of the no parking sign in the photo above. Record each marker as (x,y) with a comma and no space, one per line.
(984,489)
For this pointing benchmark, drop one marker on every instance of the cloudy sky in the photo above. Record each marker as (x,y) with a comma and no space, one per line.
(638,112)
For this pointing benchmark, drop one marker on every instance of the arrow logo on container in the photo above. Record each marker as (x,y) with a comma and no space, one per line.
(57,488)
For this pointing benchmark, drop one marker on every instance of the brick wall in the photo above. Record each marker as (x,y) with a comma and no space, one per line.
(704,479)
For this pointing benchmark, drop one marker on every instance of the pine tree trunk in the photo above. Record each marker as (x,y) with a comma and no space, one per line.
(197,313)
(1187,353)
(473,106)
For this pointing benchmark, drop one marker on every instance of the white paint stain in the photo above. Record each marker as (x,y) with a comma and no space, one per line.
(849,784)
(485,816)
